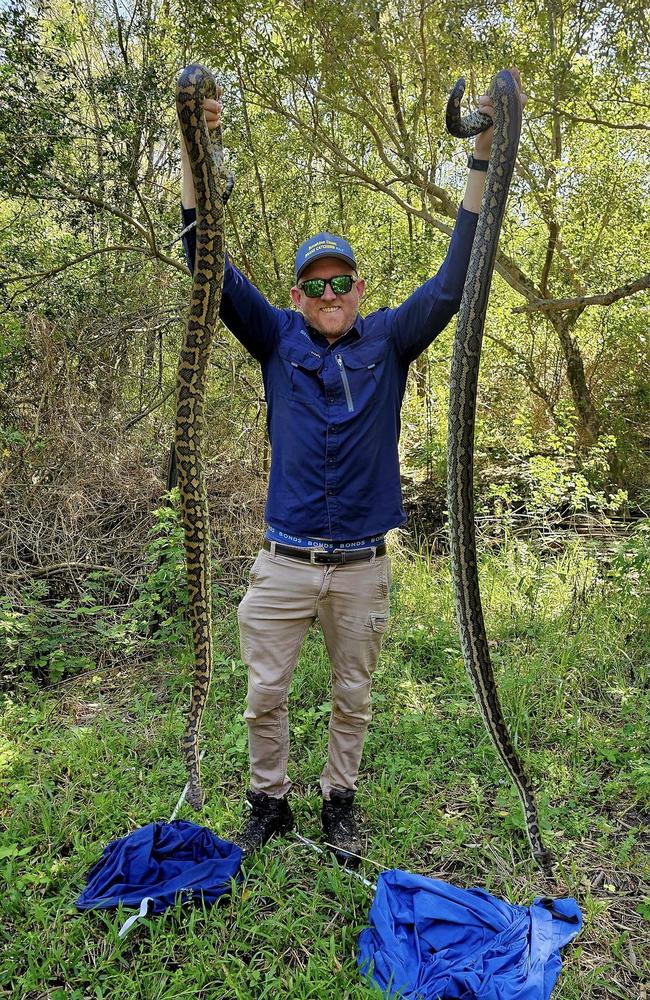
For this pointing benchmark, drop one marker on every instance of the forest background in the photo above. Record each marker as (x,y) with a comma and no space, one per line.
(333,119)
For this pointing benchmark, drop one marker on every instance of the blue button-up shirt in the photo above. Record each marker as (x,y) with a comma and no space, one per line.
(333,411)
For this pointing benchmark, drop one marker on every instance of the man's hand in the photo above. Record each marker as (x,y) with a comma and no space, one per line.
(483,142)
(213,110)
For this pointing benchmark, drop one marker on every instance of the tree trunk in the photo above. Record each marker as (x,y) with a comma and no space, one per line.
(588,423)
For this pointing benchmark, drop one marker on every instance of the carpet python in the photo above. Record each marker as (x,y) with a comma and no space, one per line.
(205,151)
(462,408)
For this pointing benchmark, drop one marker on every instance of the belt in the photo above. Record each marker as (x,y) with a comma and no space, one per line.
(320,556)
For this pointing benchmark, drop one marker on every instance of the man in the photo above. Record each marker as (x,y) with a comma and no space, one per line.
(334,384)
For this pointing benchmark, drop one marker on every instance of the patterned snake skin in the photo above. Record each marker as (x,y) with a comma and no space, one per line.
(462,405)
(206,157)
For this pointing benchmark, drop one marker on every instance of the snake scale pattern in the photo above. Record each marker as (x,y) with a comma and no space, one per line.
(205,152)
(462,409)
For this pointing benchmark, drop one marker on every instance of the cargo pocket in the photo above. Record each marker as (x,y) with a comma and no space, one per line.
(377,621)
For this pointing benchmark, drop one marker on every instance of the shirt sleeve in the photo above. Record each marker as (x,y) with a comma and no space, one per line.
(419,320)
(244,310)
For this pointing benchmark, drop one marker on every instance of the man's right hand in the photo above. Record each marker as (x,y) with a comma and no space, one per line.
(213,110)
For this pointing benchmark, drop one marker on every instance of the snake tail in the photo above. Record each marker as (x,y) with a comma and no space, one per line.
(205,153)
(462,410)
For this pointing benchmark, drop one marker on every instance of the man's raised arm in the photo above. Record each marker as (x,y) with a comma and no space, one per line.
(244,310)
(419,320)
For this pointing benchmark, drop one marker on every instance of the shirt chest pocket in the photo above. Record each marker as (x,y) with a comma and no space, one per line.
(300,374)
(361,371)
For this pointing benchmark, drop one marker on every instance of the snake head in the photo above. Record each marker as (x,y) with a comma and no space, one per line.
(469,125)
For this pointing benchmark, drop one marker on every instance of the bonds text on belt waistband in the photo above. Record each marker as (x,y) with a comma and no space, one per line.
(322,544)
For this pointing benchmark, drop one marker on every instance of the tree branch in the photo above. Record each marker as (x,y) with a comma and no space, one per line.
(632,126)
(258,174)
(106,206)
(116,248)
(526,370)
(145,413)
(580,301)
(43,275)
(62,567)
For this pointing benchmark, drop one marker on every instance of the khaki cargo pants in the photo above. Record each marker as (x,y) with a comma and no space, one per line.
(284,597)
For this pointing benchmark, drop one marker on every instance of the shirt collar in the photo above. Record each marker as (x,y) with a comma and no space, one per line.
(354,333)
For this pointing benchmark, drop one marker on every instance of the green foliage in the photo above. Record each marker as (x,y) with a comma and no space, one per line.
(162,599)
(339,115)
(44,640)
(630,569)
(548,485)
(84,766)
(35,98)
(41,642)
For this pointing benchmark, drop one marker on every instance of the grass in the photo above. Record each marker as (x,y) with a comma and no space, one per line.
(89,760)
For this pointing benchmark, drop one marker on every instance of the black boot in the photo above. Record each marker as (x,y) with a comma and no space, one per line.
(340,827)
(268,817)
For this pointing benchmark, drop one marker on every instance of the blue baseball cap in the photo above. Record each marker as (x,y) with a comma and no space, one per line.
(323,245)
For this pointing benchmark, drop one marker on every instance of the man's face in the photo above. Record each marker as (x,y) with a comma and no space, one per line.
(331,314)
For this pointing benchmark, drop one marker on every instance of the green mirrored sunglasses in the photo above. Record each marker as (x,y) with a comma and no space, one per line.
(340,284)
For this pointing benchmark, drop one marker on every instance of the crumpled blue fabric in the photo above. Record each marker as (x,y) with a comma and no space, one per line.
(429,940)
(162,861)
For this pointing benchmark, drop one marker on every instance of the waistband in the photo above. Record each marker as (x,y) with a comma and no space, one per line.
(322,544)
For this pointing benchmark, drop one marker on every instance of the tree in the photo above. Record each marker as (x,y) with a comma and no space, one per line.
(362,89)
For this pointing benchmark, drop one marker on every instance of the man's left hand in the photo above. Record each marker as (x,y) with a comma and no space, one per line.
(483,142)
